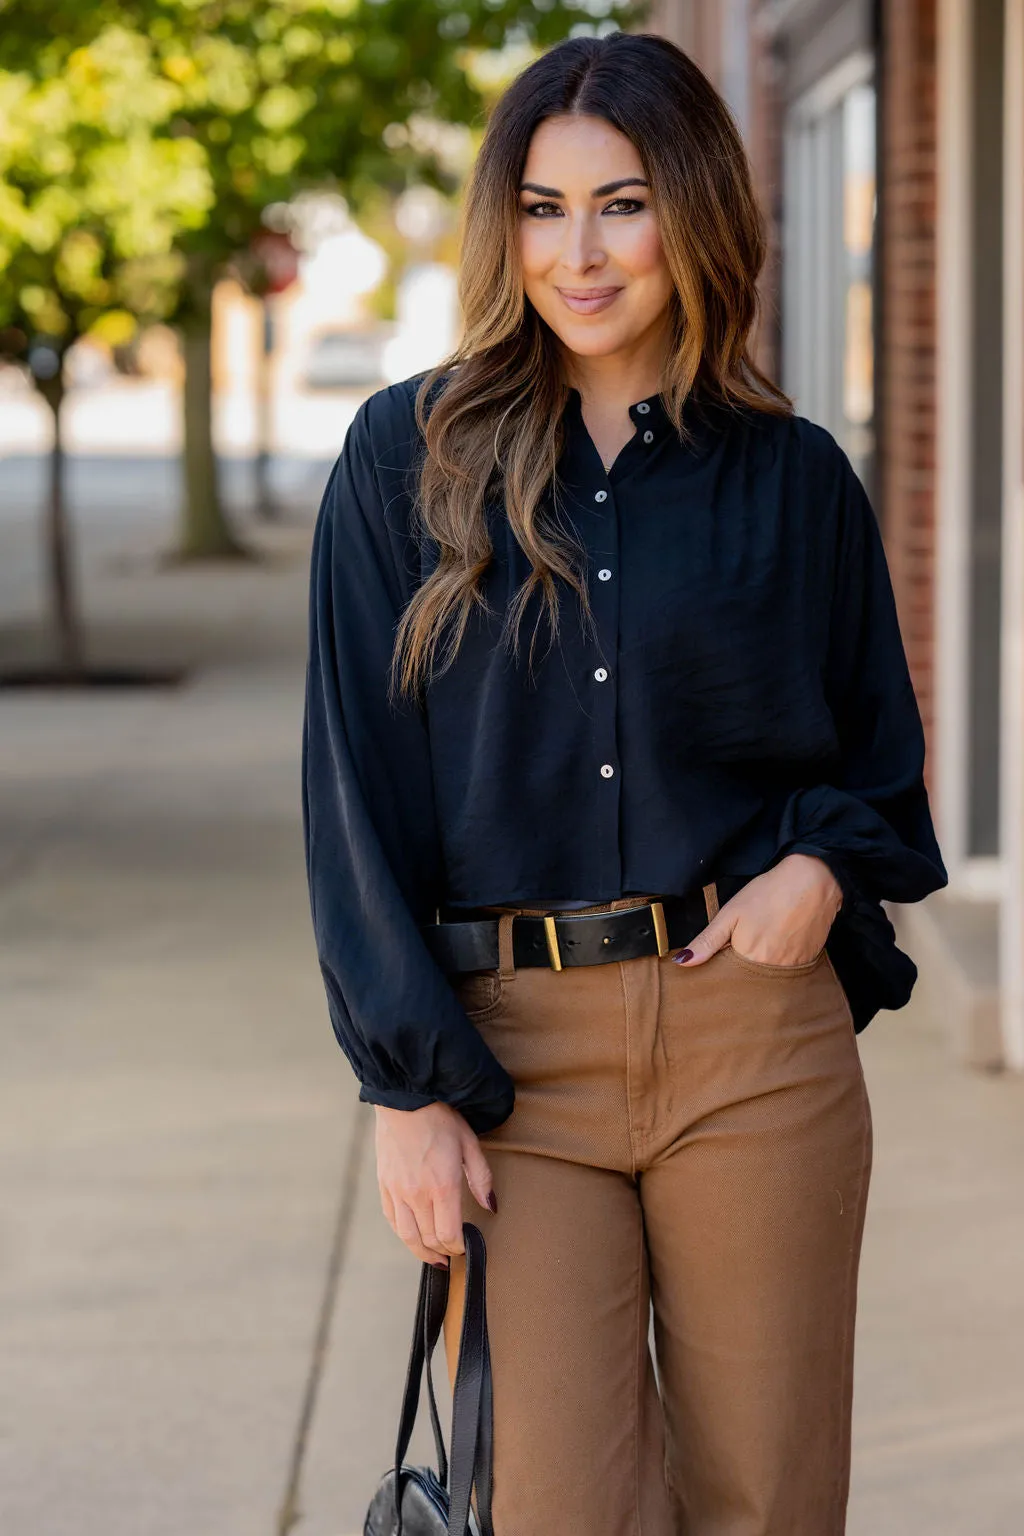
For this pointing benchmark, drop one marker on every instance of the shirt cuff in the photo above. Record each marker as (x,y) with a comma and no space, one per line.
(395,1098)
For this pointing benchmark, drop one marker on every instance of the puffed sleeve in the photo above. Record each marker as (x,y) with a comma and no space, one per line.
(372,848)
(871,821)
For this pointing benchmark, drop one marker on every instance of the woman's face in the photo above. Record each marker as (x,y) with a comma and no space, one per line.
(593,264)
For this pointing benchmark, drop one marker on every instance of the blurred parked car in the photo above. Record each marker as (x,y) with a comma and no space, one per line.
(89,364)
(341,358)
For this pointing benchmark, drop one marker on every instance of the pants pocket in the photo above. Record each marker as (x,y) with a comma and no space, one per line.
(481,993)
(763,968)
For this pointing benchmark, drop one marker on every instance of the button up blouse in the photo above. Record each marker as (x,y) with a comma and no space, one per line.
(743,694)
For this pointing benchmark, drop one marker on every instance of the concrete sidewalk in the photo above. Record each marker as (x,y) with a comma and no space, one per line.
(177,1127)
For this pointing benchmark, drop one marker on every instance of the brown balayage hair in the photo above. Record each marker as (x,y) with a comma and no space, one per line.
(494,423)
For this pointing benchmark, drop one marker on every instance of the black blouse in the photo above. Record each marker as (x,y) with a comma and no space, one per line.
(746,695)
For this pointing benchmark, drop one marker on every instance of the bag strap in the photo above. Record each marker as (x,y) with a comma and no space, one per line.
(472,1413)
(485,1447)
(431,1305)
(437,1305)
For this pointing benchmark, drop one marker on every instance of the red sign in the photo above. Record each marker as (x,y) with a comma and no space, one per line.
(278,259)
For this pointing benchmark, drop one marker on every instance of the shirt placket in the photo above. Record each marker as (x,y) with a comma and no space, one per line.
(597,493)
(603,662)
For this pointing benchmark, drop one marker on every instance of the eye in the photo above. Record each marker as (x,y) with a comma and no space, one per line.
(618,208)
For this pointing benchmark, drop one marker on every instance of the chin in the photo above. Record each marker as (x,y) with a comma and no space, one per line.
(597,346)
(592,340)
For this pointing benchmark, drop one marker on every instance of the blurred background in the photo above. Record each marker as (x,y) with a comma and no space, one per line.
(222,224)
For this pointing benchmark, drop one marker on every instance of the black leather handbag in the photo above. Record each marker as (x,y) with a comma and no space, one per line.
(417,1501)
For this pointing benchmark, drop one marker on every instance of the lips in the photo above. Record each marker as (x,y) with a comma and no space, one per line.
(588,301)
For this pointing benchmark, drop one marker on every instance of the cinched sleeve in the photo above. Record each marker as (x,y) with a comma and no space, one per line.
(372,849)
(871,821)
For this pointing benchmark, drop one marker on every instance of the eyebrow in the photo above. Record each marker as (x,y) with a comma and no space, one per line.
(609,186)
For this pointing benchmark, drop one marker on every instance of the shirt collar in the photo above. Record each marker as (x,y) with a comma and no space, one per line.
(642,411)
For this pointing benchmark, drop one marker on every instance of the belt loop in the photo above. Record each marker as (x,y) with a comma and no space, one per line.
(506,964)
(711,900)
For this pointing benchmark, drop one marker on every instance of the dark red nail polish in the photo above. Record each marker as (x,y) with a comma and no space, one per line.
(439,1264)
(492,1203)
(683,955)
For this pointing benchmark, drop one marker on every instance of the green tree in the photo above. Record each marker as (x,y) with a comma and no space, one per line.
(92,205)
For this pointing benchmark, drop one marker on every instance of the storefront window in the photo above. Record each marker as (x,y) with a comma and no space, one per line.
(858,109)
(829,235)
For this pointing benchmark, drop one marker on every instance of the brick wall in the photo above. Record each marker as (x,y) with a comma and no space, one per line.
(906,367)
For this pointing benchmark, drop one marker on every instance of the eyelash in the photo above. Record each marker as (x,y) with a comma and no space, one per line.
(635,204)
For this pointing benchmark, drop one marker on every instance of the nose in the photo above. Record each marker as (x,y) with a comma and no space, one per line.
(581,249)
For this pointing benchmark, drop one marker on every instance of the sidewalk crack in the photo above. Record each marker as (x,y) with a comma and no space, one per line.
(290,1512)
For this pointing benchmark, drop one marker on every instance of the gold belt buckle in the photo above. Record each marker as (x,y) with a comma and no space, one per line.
(660,927)
(551,934)
(660,934)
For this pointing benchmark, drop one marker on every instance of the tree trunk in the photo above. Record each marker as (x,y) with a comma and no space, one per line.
(265,504)
(59,552)
(205,531)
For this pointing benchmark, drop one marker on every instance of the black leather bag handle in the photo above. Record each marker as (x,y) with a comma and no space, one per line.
(472,1411)
(472,1415)
(431,1304)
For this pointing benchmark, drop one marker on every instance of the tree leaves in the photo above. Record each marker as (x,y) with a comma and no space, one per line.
(90,186)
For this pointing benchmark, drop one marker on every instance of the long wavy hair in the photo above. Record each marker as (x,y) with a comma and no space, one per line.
(494,423)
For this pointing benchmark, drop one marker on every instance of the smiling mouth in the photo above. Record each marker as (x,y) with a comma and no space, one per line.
(587,300)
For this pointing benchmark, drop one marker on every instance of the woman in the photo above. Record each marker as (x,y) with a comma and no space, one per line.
(710,749)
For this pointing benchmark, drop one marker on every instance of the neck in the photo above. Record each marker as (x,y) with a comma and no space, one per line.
(608,385)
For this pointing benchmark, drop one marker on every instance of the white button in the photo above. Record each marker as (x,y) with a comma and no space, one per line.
(601,674)
(648,437)
(604,575)
(643,407)
(600,495)
(606,770)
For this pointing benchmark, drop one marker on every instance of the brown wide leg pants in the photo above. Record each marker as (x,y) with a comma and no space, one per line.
(699,1140)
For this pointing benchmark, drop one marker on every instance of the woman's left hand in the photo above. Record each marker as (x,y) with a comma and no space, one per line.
(779,918)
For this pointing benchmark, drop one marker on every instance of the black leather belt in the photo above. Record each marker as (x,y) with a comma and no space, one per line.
(560,939)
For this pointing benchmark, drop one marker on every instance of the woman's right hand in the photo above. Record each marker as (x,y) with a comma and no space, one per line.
(421,1157)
